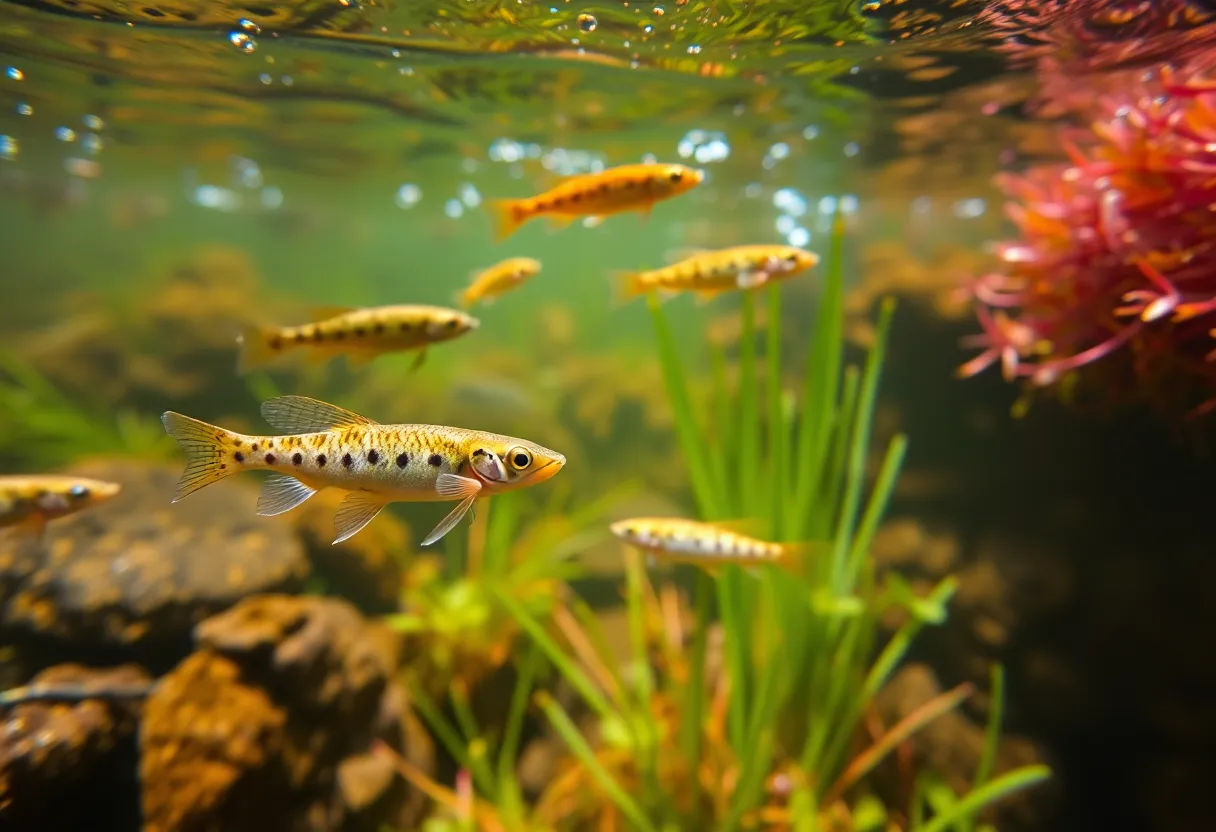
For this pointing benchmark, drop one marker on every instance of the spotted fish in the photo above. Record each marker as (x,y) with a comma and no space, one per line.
(329,447)
(358,334)
(30,502)
(498,280)
(708,545)
(612,191)
(709,273)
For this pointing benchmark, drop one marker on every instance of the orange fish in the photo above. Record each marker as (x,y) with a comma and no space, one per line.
(709,273)
(613,191)
(499,279)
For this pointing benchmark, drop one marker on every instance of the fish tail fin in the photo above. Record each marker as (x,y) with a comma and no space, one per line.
(508,215)
(255,348)
(463,298)
(792,554)
(206,448)
(627,286)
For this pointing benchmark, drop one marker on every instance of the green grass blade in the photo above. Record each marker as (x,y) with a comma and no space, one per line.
(578,746)
(475,743)
(692,440)
(992,735)
(445,731)
(508,750)
(991,792)
(726,445)
(820,387)
(877,507)
(579,680)
(694,691)
(750,496)
(779,489)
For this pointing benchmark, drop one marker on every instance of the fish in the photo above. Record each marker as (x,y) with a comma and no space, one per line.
(710,273)
(28,503)
(499,279)
(358,334)
(707,545)
(326,446)
(612,191)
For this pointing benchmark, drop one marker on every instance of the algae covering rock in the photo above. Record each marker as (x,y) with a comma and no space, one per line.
(138,572)
(71,764)
(271,725)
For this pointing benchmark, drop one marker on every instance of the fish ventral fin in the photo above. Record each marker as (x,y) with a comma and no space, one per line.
(466,489)
(322,313)
(356,511)
(281,493)
(419,360)
(204,445)
(301,414)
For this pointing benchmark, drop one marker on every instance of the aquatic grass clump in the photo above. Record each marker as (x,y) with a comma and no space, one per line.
(765,727)
(1117,256)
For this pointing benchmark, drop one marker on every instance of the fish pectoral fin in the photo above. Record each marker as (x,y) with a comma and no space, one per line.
(454,516)
(356,511)
(456,487)
(301,414)
(559,221)
(321,313)
(751,279)
(419,360)
(281,493)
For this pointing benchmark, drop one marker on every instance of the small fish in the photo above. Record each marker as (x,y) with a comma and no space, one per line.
(328,447)
(499,279)
(359,334)
(28,503)
(612,191)
(708,545)
(709,273)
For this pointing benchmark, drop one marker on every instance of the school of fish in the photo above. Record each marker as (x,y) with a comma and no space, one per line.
(321,445)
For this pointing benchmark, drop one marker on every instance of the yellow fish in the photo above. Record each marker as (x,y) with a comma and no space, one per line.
(30,502)
(499,279)
(612,191)
(708,545)
(328,447)
(709,273)
(359,334)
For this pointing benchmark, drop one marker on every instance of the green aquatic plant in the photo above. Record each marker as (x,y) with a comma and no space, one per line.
(801,658)
(42,428)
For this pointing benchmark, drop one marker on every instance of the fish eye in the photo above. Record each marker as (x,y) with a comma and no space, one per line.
(520,459)
(452,323)
(791,261)
(79,491)
(675,176)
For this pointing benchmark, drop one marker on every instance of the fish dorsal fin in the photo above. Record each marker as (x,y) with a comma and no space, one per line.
(322,313)
(300,414)
(749,526)
(678,255)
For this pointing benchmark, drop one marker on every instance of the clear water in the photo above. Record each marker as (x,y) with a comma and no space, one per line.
(170,172)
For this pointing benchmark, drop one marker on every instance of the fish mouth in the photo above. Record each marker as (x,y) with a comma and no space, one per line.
(548,470)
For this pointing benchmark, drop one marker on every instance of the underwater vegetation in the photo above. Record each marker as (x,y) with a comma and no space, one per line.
(744,707)
(1114,268)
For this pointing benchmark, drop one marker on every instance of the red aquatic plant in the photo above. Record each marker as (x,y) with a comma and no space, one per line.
(1117,255)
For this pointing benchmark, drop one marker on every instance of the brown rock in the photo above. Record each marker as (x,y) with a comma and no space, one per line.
(64,764)
(270,725)
(138,571)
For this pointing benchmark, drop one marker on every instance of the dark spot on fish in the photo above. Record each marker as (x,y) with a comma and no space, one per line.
(297,458)
(405,326)
(223,466)
(377,327)
(347,461)
(372,457)
(436,460)
(238,456)
(628,183)
(576,197)
(270,459)
(275,343)
(359,332)
(403,460)
(675,176)
(236,443)
(340,335)
(317,336)
(320,460)
(254,448)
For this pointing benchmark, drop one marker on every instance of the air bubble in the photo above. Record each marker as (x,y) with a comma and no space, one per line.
(587,22)
(65,134)
(247,25)
(658,11)
(8,148)
(408,195)
(15,74)
(24,109)
(93,122)
(647,28)
(453,208)
(242,42)
(695,49)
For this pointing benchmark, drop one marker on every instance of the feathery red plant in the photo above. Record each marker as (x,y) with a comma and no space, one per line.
(1118,248)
